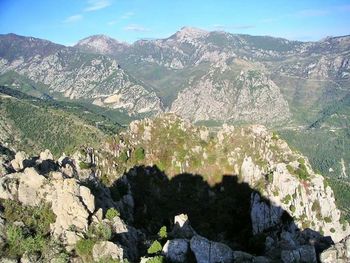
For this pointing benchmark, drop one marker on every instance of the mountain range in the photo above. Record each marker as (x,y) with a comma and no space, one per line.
(197,74)
(201,147)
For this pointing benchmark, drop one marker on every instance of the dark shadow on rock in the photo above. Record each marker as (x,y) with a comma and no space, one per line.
(220,213)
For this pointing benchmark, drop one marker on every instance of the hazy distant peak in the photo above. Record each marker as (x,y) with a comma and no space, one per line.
(101,44)
(190,32)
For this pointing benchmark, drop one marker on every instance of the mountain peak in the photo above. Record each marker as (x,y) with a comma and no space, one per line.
(101,44)
(190,32)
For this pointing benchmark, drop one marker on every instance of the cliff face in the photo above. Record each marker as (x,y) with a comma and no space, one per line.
(246,96)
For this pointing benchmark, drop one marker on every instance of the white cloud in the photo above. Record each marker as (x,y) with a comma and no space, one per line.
(136,28)
(73,18)
(94,5)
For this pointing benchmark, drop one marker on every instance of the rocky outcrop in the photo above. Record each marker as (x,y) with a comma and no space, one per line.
(305,254)
(339,252)
(250,97)
(264,215)
(71,202)
(207,251)
(176,250)
(105,250)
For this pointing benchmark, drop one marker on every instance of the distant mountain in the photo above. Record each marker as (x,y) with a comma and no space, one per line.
(71,73)
(150,76)
(101,44)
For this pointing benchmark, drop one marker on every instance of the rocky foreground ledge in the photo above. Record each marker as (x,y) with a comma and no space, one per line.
(42,180)
(65,211)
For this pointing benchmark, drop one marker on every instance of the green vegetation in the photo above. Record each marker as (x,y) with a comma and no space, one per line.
(84,248)
(286,200)
(139,154)
(162,234)
(316,207)
(40,126)
(34,235)
(327,219)
(325,143)
(96,232)
(157,259)
(154,248)
(112,213)
(84,165)
(292,208)
(38,219)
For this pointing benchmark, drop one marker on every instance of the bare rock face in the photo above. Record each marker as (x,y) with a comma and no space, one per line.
(339,252)
(304,254)
(250,97)
(207,251)
(182,227)
(18,163)
(107,250)
(176,250)
(71,202)
(264,215)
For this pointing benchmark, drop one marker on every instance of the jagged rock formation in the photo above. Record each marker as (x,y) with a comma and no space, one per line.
(289,210)
(340,252)
(256,156)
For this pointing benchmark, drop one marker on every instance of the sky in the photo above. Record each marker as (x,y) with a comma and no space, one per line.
(68,21)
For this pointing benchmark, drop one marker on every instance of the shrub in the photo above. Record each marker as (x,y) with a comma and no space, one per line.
(290,169)
(328,219)
(292,208)
(157,259)
(84,248)
(286,199)
(154,248)
(84,165)
(301,160)
(316,207)
(139,154)
(332,230)
(320,230)
(275,136)
(123,157)
(163,233)
(99,231)
(112,213)
(18,244)
(38,218)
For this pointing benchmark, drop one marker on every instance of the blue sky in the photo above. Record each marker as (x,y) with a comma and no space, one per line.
(67,21)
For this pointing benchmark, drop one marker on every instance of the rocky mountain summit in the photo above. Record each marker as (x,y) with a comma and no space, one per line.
(101,44)
(236,195)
